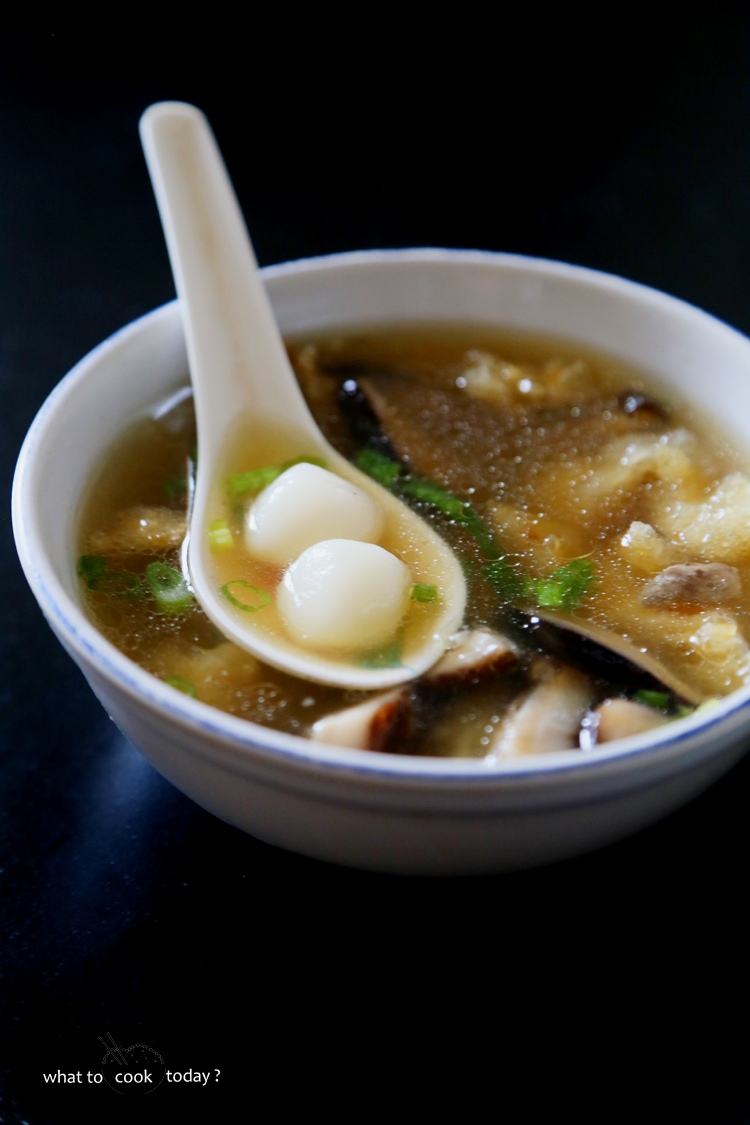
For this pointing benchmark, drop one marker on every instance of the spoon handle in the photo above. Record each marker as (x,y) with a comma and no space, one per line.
(234,348)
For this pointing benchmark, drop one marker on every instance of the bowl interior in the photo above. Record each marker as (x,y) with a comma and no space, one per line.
(705,360)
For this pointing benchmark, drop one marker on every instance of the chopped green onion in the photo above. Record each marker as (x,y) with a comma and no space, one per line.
(707,705)
(427,492)
(182,685)
(388,657)
(486,541)
(243,484)
(381,468)
(564,590)
(256,595)
(169,588)
(504,580)
(657,699)
(683,710)
(388,472)
(545,592)
(304,459)
(220,535)
(575,578)
(92,568)
(174,486)
(423,592)
(479,531)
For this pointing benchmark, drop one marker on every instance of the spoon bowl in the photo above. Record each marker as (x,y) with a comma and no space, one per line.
(242,379)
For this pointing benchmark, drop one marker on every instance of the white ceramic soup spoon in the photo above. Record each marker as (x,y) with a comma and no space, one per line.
(240,370)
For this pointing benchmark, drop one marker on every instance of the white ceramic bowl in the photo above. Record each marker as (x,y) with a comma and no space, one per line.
(381,811)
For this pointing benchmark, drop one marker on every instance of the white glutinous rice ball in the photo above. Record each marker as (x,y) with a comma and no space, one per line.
(344,594)
(304,505)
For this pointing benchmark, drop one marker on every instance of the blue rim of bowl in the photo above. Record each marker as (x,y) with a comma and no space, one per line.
(245,737)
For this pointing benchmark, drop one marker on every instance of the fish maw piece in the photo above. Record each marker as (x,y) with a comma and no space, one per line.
(516,526)
(217,674)
(622,718)
(628,461)
(705,583)
(547,720)
(564,381)
(422,420)
(645,549)
(475,654)
(377,724)
(707,647)
(493,379)
(140,530)
(717,529)
(549,540)
(716,637)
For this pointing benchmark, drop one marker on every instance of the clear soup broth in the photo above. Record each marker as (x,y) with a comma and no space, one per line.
(566,482)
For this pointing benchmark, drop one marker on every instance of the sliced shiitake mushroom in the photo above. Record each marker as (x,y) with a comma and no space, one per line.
(548,719)
(702,583)
(381,723)
(623,718)
(476,655)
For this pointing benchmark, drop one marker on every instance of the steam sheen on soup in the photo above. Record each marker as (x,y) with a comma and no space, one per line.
(570,487)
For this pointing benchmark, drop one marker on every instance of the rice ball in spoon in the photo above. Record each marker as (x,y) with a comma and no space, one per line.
(305,505)
(344,594)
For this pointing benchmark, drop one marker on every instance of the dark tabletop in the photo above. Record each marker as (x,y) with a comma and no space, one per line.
(126,909)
